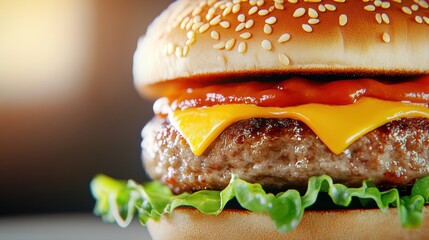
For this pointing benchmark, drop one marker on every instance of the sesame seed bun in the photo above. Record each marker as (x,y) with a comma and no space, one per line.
(208,41)
(239,224)
(211,40)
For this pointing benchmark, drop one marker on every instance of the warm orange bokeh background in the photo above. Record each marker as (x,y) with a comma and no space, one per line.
(68,109)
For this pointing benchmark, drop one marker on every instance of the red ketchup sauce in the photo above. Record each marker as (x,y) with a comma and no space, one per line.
(298,91)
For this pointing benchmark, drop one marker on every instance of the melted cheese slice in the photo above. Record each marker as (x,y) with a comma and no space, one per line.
(337,126)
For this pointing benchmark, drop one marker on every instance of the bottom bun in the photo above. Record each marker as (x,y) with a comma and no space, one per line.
(186,223)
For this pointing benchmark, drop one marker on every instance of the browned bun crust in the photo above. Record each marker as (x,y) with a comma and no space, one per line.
(239,224)
(205,38)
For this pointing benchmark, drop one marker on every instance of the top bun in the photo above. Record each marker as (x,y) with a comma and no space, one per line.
(236,37)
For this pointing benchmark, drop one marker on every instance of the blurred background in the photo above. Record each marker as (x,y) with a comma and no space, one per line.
(68,108)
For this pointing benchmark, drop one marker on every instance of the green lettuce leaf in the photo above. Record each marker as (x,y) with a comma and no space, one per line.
(118,201)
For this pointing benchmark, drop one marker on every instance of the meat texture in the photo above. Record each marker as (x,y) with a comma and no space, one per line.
(285,153)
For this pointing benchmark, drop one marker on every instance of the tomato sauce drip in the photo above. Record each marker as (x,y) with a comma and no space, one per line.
(298,91)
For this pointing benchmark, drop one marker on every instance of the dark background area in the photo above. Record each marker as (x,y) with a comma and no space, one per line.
(53,144)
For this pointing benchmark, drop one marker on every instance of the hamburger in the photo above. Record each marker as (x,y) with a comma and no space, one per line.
(282,119)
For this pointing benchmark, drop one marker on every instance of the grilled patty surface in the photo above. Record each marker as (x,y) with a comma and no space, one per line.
(284,153)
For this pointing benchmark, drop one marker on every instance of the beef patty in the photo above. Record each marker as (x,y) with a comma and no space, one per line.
(285,153)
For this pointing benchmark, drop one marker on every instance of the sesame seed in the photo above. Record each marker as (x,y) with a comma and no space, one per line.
(197,19)
(378,18)
(284,38)
(225,24)
(190,34)
(414,7)
(299,12)
(378,3)
(397,1)
(241,18)
(209,16)
(426,19)
(268,29)
(215,35)
(228,4)
(236,8)
(219,46)
(284,60)
(343,20)
(385,5)
(184,22)
(196,11)
(204,28)
(179,52)
(293,1)
(211,11)
(185,51)
(385,18)
(407,10)
(340,1)
(321,8)
(189,24)
(423,4)
(252,2)
(253,10)
(312,13)
(240,27)
(313,1)
(197,25)
(242,47)
(190,41)
(279,6)
(307,28)
(210,2)
(263,12)
(419,19)
(369,8)
(266,45)
(260,2)
(230,44)
(249,23)
(386,37)
(313,21)
(217,4)
(246,35)
(271,20)
(215,20)
(226,11)
(170,48)
(330,7)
